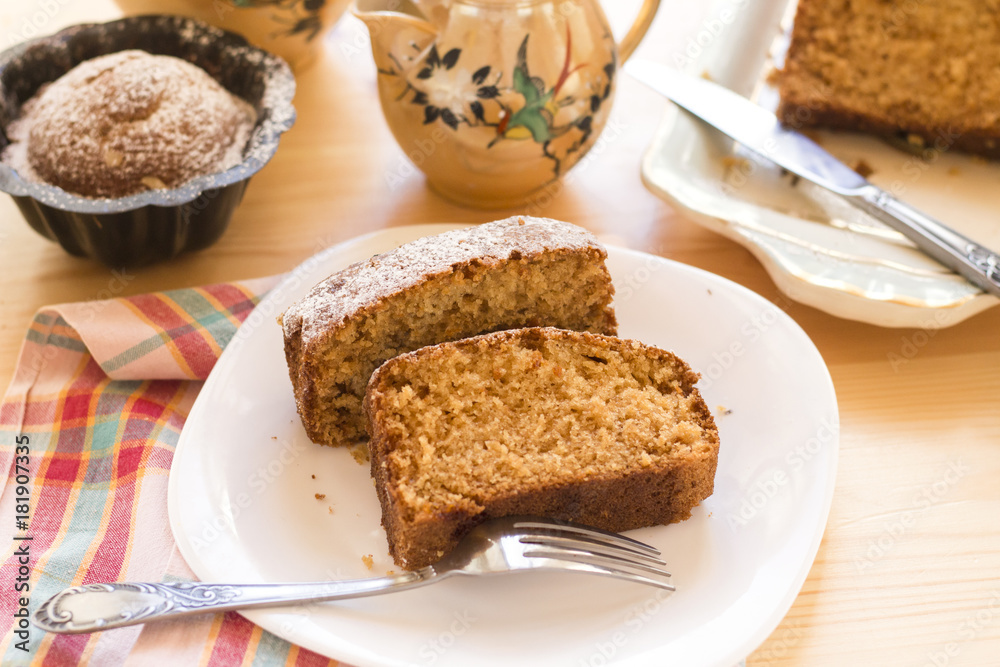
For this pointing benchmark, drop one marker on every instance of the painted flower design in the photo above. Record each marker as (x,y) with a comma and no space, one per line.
(529,109)
(450,92)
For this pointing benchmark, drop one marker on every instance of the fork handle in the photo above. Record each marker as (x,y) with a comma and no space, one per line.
(96,607)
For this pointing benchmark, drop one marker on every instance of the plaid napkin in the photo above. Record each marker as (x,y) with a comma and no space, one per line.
(87,433)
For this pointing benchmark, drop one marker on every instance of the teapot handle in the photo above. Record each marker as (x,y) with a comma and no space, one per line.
(638,30)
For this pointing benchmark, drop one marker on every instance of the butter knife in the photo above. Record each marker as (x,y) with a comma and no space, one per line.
(762,133)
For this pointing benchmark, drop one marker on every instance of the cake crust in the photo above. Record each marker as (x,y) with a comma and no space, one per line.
(613,497)
(435,289)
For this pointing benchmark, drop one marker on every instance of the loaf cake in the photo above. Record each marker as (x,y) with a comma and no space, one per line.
(127,122)
(927,73)
(511,273)
(538,421)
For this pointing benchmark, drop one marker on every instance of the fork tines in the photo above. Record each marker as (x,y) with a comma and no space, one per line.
(597,551)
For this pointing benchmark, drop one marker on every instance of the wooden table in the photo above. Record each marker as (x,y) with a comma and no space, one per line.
(909,570)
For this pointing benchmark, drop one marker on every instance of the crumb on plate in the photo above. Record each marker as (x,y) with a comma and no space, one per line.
(730,161)
(360,453)
(862,168)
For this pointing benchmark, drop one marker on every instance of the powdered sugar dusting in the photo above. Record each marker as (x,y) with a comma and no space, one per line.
(127,122)
(364,284)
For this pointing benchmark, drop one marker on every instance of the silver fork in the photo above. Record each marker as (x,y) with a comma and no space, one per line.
(511,544)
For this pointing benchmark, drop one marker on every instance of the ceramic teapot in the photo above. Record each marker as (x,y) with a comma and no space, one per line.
(495,99)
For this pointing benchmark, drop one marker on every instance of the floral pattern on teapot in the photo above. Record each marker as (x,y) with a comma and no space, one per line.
(455,94)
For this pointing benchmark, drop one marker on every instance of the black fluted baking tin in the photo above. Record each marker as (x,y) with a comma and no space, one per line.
(156,225)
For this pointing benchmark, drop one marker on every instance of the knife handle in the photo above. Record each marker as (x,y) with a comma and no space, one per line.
(978,264)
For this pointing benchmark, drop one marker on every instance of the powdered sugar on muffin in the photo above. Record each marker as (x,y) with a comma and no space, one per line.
(126,122)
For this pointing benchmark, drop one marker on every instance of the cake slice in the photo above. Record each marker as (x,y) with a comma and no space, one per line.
(927,73)
(540,421)
(511,273)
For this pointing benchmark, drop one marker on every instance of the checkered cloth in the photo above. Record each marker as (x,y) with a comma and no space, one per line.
(87,433)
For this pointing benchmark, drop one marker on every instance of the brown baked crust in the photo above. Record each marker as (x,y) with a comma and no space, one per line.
(323,327)
(638,499)
(617,501)
(927,73)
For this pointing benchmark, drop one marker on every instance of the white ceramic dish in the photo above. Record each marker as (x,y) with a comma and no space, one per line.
(243,504)
(826,256)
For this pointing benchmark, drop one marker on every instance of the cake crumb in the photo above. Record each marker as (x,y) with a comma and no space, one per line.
(723,410)
(329,509)
(916,141)
(360,453)
(313,476)
(730,161)
(368,560)
(862,168)
(813,135)
(320,496)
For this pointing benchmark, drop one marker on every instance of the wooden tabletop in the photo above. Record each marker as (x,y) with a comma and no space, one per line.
(908,572)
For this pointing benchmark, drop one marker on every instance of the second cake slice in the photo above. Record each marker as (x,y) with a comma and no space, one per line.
(570,425)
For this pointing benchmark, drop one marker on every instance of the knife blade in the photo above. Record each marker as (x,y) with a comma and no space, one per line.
(760,131)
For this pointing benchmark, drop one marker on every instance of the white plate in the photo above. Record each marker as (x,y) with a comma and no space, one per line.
(836,260)
(243,506)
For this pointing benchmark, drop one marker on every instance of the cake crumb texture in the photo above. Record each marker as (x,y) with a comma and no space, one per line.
(571,425)
(501,275)
(917,70)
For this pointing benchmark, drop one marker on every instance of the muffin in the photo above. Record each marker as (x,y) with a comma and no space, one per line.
(174,211)
(128,122)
